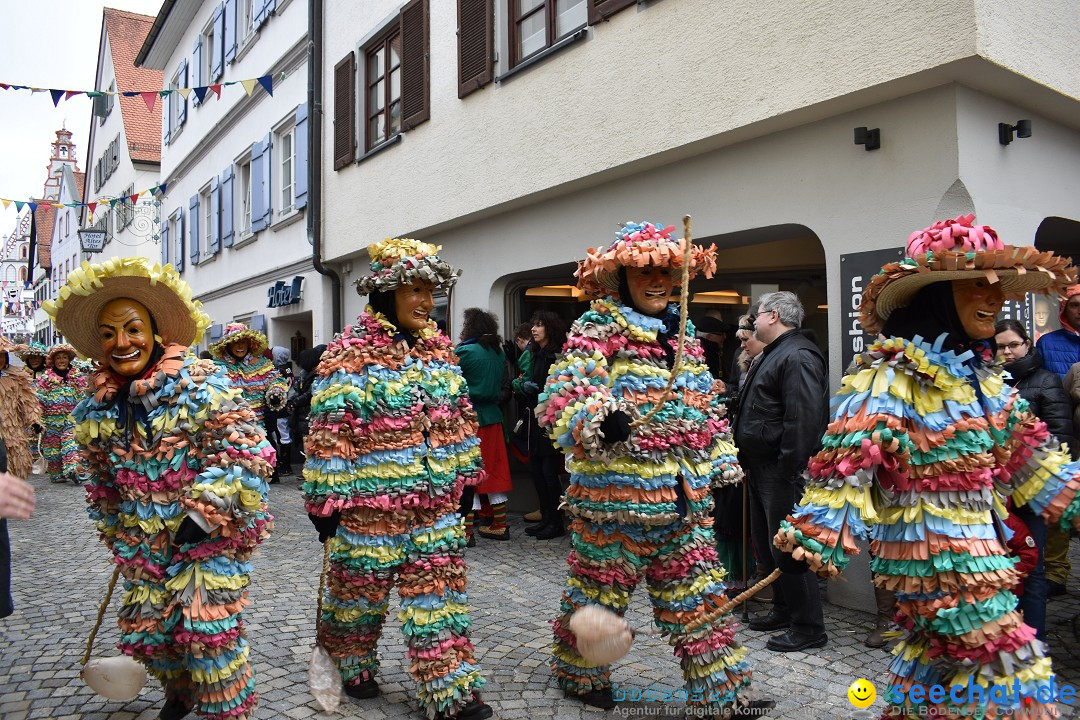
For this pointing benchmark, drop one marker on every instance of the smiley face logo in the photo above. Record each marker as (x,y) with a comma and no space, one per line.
(862,693)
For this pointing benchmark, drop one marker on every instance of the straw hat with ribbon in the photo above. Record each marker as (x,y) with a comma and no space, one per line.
(239,331)
(400,261)
(26,350)
(956,250)
(178,318)
(55,350)
(638,245)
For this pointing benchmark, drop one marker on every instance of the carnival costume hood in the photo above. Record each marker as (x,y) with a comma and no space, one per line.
(924,439)
(179,498)
(400,261)
(638,245)
(956,250)
(19,409)
(257,342)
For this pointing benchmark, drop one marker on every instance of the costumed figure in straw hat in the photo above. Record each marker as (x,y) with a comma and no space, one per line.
(59,389)
(392,443)
(240,352)
(19,411)
(32,355)
(924,440)
(640,497)
(178,469)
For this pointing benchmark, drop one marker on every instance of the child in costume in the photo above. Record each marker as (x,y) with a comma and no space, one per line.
(19,411)
(391,444)
(178,470)
(925,437)
(240,352)
(640,498)
(59,389)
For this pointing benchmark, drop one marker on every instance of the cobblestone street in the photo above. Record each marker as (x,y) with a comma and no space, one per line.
(60,571)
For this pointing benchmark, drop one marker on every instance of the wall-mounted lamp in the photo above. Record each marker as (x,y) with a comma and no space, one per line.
(869,139)
(1005,131)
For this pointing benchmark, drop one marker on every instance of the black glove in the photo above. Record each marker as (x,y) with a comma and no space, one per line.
(616,427)
(327,526)
(791,566)
(189,532)
(530,388)
(36,428)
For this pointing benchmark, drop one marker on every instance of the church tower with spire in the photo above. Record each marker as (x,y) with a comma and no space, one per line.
(63,154)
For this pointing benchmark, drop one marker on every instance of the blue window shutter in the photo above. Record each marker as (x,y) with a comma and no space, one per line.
(227,207)
(258,204)
(167,116)
(197,67)
(267,167)
(269,6)
(193,230)
(230,30)
(165,242)
(257,21)
(219,44)
(178,261)
(215,216)
(181,116)
(301,142)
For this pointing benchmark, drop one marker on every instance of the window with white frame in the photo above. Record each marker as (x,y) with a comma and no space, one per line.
(244,176)
(209,52)
(207,221)
(246,17)
(287,153)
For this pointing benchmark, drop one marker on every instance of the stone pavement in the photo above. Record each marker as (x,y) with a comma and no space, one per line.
(61,570)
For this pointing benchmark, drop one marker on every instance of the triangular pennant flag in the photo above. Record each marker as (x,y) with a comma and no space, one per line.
(112,203)
(135,198)
(56,95)
(5,202)
(217,90)
(71,93)
(33,206)
(164,93)
(184,91)
(130,93)
(19,205)
(94,93)
(249,85)
(200,92)
(150,98)
(5,86)
(267,81)
(72,205)
(161,190)
(57,205)
(92,206)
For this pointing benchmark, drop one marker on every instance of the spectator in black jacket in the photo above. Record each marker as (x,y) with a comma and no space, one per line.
(16,501)
(299,404)
(782,416)
(1046,396)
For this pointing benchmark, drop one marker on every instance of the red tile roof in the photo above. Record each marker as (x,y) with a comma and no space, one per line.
(127,31)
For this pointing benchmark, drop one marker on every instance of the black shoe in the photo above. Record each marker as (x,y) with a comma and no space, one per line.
(471,542)
(363,691)
(552,531)
(595,698)
(792,641)
(534,529)
(473,710)
(174,710)
(772,621)
(1054,589)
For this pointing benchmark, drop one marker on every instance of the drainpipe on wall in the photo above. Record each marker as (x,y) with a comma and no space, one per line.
(315,115)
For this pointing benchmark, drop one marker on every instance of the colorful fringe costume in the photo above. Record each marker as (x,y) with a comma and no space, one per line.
(19,410)
(58,396)
(255,375)
(922,445)
(391,444)
(643,507)
(198,451)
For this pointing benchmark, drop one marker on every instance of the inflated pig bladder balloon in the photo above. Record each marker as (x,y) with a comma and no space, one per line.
(602,636)
(116,678)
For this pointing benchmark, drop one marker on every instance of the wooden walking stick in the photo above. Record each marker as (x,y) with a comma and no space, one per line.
(324,678)
(116,678)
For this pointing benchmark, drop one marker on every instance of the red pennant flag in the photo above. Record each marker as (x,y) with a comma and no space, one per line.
(217,90)
(92,207)
(71,93)
(149,98)
(135,198)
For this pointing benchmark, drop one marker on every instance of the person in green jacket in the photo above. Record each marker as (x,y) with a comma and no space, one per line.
(483,364)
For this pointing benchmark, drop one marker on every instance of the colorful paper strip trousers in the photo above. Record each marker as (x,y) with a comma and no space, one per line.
(685,582)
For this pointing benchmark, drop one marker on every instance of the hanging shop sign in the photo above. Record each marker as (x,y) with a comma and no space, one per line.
(280,294)
(856,269)
(92,240)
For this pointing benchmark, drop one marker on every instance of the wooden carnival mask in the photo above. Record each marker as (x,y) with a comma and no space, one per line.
(127,336)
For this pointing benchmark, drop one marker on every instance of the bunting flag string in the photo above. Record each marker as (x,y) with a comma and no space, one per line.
(157,190)
(150,96)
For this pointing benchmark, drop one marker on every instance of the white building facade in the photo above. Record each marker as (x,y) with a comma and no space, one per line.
(519,133)
(233,216)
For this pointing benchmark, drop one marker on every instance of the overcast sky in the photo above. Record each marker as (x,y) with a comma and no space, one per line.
(48,44)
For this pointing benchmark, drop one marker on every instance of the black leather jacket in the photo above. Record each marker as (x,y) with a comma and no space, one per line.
(784,405)
(1045,394)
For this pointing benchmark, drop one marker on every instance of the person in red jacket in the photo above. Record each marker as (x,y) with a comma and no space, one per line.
(1022,546)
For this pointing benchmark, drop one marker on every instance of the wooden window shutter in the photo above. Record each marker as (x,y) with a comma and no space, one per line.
(345,111)
(475,45)
(600,10)
(415,81)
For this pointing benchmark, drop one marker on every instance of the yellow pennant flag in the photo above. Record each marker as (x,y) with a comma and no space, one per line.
(184,91)
(5,202)
(249,85)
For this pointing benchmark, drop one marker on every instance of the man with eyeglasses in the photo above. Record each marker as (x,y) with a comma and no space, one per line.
(781,419)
